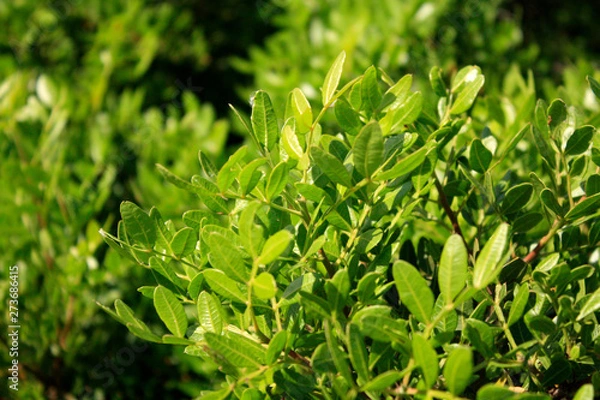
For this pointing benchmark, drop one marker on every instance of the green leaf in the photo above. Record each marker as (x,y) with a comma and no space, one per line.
(368,150)
(404,114)
(557,114)
(463,77)
(479,157)
(184,242)
(337,355)
(594,85)
(527,222)
(224,286)
(250,175)
(264,120)
(348,119)
(357,350)
(489,261)
(414,292)
(437,82)
(370,92)
(495,392)
(139,226)
(586,392)
(331,167)
(227,257)
(517,198)
(208,193)
(559,371)
(332,79)
(592,185)
(227,175)
(251,234)
(549,200)
(302,111)
(264,286)
(337,289)
(274,247)
(290,141)
(521,296)
(458,369)
(580,140)
(587,207)
(426,359)
(276,346)
(277,180)
(210,314)
(232,350)
(473,83)
(592,304)
(170,311)
(383,328)
(452,273)
(383,381)
(405,166)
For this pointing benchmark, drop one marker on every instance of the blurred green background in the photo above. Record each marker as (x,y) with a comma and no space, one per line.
(94,93)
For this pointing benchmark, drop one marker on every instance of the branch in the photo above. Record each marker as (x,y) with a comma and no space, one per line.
(451,215)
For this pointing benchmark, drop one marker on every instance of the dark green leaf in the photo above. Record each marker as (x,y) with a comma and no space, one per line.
(580,140)
(517,198)
(368,150)
(331,167)
(527,222)
(592,185)
(370,92)
(479,157)
(348,119)
(587,207)
(437,82)
(383,381)
(594,85)
(557,114)
(559,371)
(550,202)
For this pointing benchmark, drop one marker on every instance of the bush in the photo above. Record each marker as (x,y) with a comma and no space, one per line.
(406,250)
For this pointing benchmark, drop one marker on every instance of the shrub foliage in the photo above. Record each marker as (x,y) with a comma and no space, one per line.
(408,250)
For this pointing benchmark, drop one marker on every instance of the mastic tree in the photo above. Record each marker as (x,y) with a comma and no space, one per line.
(407,251)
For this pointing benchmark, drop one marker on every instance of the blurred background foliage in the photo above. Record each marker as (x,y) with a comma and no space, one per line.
(94,93)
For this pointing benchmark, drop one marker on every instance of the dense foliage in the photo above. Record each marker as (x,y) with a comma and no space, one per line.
(94,94)
(406,252)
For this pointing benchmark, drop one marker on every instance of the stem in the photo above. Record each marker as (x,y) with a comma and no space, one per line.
(558,223)
(451,215)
